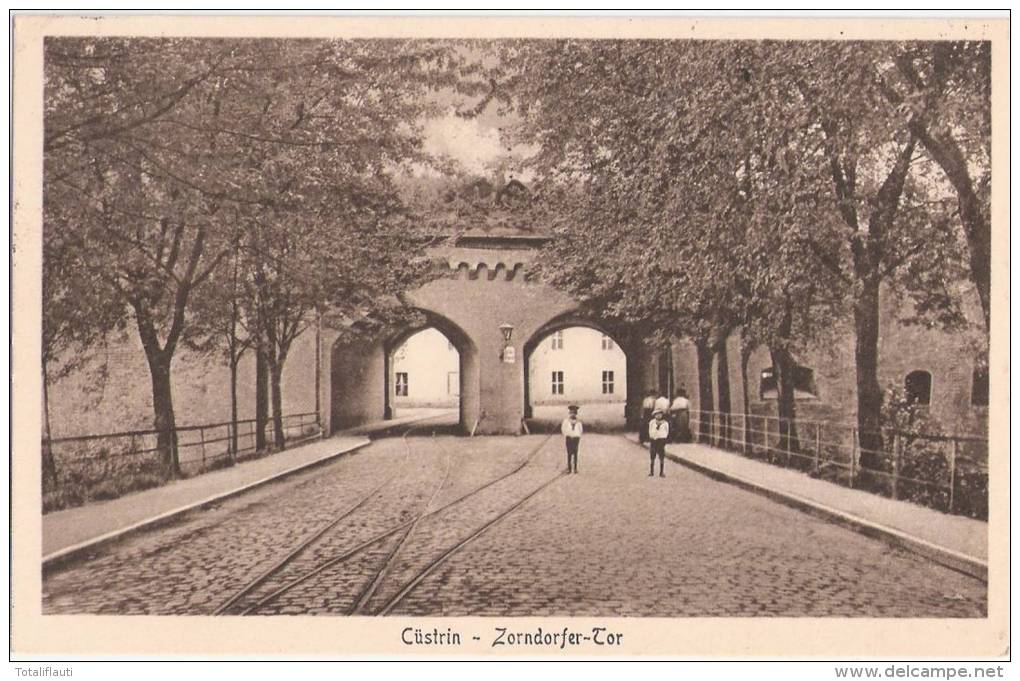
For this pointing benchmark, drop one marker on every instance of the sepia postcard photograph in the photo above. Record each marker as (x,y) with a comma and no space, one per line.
(535,337)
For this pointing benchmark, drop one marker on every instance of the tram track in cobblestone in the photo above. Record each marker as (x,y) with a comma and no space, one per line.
(435,563)
(349,554)
(593,545)
(281,563)
(370,587)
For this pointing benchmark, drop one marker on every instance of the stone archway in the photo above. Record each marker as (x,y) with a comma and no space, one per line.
(361,390)
(486,291)
(468,364)
(636,364)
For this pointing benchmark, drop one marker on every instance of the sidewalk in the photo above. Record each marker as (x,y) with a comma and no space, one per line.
(73,530)
(955,541)
(413,416)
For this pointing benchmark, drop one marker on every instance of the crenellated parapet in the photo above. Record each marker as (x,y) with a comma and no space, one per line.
(491,257)
(488,270)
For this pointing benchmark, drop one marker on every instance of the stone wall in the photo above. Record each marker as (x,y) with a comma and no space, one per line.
(486,289)
(948,355)
(114,393)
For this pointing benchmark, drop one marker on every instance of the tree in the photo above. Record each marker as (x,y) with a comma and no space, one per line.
(223,323)
(770,185)
(164,145)
(666,141)
(148,225)
(76,315)
(790,299)
(357,105)
(945,89)
(610,119)
(866,151)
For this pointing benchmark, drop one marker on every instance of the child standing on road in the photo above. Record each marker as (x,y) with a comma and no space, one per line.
(658,433)
(572,431)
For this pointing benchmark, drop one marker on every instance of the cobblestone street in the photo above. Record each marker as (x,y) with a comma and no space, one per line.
(608,541)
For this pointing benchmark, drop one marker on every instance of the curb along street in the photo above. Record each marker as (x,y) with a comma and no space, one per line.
(942,555)
(69,553)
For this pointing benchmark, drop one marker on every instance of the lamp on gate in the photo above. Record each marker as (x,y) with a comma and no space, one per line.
(507,354)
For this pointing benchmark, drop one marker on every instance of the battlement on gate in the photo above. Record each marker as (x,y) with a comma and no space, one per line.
(488,271)
(491,254)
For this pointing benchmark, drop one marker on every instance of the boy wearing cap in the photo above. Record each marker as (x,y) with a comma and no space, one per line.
(658,433)
(572,431)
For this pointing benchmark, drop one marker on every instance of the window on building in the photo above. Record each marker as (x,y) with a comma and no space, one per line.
(557,340)
(803,383)
(917,387)
(557,383)
(979,387)
(607,382)
(607,342)
(401,385)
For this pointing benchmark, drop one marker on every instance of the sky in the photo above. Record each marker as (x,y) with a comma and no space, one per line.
(473,142)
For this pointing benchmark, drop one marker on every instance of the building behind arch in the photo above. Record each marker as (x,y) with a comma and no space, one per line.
(577,365)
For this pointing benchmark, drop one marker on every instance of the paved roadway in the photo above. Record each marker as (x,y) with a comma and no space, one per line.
(608,541)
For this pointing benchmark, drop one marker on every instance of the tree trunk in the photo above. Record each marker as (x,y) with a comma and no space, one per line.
(867,250)
(944,149)
(869,393)
(276,374)
(745,359)
(49,464)
(235,353)
(233,409)
(706,402)
(261,396)
(164,421)
(783,365)
(637,365)
(318,371)
(666,371)
(723,380)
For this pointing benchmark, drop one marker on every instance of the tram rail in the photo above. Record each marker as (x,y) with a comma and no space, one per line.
(349,554)
(370,588)
(281,563)
(433,564)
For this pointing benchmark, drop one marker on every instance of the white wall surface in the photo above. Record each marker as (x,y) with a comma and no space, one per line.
(432,365)
(582,360)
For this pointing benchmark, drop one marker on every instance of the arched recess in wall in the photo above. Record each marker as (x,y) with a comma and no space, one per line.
(467,373)
(917,387)
(362,386)
(600,384)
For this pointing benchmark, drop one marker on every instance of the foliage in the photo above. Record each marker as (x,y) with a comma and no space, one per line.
(914,450)
(946,89)
(166,158)
(773,186)
(100,469)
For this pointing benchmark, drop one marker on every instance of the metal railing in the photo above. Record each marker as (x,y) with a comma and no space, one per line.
(91,467)
(945,472)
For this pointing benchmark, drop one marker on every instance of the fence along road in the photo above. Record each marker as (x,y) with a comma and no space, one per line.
(945,472)
(105,466)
